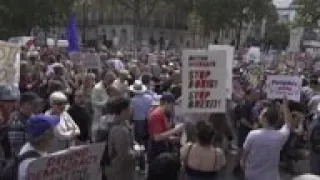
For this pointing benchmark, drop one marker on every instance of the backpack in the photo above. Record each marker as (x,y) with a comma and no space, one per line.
(102,135)
(10,169)
(315,138)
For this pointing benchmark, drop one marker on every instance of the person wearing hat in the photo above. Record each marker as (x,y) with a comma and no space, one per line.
(40,132)
(159,128)
(67,130)
(140,104)
(28,104)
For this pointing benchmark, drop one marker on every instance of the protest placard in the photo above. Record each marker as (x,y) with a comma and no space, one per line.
(9,64)
(76,163)
(279,86)
(230,59)
(254,55)
(204,81)
(89,60)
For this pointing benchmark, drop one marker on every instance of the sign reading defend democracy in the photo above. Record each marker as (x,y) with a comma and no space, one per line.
(204,81)
(75,163)
(280,85)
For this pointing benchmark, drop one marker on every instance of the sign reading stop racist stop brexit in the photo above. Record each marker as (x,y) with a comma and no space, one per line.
(204,81)
(279,86)
(76,163)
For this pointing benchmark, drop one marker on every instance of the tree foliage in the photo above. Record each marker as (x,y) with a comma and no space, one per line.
(213,14)
(19,17)
(216,15)
(308,12)
(278,35)
(141,9)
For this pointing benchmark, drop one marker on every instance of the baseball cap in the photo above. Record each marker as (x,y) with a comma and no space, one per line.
(40,123)
(168,98)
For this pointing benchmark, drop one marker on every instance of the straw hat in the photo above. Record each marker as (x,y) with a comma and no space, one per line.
(138,87)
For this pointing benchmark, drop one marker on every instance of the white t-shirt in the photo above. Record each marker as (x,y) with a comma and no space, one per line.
(263,147)
(24,165)
(307,177)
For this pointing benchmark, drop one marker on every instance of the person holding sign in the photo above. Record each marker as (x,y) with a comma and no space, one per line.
(159,127)
(261,149)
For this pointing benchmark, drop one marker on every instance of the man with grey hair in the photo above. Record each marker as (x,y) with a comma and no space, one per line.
(67,130)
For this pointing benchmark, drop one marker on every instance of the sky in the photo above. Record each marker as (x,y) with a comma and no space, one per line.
(282,3)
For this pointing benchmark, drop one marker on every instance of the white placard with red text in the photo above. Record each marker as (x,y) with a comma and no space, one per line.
(204,81)
(230,61)
(81,162)
(279,86)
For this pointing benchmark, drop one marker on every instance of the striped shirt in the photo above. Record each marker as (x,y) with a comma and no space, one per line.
(17,131)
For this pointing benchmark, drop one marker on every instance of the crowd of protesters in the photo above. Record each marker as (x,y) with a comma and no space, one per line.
(130,106)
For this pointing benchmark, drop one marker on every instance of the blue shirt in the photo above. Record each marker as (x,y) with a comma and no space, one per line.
(152,94)
(141,104)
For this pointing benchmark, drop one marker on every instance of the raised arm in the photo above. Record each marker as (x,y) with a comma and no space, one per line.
(286,114)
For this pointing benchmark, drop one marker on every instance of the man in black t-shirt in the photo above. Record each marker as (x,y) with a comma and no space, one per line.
(244,118)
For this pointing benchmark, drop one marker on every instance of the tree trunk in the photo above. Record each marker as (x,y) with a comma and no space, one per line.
(238,35)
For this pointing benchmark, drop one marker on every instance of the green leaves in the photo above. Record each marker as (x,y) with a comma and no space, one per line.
(278,34)
(308,12)
(221,14)
(19,17)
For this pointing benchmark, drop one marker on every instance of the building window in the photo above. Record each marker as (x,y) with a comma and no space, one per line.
(89,16)
(181,39)
(113,32)
(105,15)
(227,34)
(97,15)
(188,44)
(103,31)
(124,35)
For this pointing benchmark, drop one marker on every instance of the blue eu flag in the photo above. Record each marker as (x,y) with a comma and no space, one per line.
(72,34)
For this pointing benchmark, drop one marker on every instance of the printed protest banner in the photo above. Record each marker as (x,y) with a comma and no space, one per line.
(204,81)
(230,62)
(76,163)
(90,61)
(9,64)
(254,55)
(280,85)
